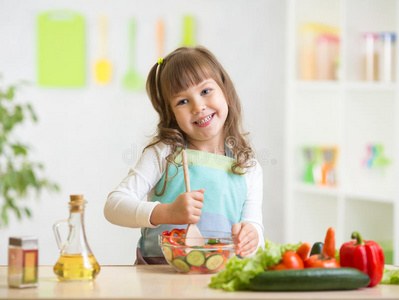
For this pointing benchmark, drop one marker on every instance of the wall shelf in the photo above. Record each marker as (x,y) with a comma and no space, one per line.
(316,189)
(347,113)
(370,86)
(317,86)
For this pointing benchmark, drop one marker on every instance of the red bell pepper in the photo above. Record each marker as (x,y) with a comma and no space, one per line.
(169,236)
(366,256)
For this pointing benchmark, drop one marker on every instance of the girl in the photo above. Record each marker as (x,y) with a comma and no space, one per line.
(199,110)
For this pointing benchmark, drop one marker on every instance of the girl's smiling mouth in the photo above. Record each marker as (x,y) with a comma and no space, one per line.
(205,121)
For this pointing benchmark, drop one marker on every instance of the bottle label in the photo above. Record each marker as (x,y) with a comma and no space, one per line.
(15,266)
(30,266)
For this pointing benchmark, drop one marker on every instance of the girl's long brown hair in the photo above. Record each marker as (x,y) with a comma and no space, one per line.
(180,70)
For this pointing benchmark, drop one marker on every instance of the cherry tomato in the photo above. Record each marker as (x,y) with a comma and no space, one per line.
(226,253)
(195,269)
(280,266)
(290,260)
(321,261)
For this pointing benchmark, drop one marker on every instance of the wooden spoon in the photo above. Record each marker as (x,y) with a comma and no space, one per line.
(193,234)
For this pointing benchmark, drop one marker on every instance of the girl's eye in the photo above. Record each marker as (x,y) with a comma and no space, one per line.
(204,92)
(181,102)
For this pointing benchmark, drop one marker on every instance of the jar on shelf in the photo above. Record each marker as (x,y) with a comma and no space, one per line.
(327,55)
(370,59)
(318,41)
(387,56)
(308,53)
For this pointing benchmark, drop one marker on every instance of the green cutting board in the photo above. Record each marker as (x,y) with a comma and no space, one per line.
(61,49)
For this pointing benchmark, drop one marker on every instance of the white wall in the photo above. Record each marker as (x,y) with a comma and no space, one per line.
(88,138)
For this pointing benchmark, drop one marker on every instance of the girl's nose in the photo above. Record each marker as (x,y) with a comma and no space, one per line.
(198,106)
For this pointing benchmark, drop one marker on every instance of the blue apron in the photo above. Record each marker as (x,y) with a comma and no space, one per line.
(224,197)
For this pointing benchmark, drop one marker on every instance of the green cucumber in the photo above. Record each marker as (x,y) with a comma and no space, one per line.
(168,253)
(181,264)
(317,248)
(310,279)
(214,261)
(195,258)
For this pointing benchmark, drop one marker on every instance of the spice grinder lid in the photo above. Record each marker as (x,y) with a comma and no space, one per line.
(24,241)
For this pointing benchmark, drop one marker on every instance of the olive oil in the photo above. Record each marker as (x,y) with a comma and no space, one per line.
(76,267)
(76,262)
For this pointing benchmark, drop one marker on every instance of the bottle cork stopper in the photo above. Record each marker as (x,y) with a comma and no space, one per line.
(76,197)
(77,203)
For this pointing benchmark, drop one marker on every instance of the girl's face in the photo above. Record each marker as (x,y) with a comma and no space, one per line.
(201,111)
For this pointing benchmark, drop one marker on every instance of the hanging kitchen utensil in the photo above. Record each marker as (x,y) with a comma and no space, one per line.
(160,38)
(188,31)
(193,235)
(61,49)
(132,79)
(103,67)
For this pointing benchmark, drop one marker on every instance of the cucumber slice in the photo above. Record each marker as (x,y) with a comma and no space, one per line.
(214,261)
(195,258)
(181,265)
(168,253)
(213,241)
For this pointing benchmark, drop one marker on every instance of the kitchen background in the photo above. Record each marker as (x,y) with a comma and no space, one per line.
(321,110)
(88,135)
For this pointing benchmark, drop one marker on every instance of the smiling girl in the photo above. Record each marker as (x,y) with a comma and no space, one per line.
(199,110)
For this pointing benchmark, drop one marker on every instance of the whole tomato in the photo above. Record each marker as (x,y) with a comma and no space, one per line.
(290,260)
(321,261)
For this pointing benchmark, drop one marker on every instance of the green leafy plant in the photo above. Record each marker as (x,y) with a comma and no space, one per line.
(19,176)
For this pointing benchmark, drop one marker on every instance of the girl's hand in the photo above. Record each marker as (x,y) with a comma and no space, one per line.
(248,238)
(186,209)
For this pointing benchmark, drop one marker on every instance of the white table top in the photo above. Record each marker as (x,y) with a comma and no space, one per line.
(162,282)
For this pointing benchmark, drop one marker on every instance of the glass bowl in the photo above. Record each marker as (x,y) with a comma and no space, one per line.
(207,259)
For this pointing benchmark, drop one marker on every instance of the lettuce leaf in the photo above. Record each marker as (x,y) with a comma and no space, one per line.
(239,271)
(390,276)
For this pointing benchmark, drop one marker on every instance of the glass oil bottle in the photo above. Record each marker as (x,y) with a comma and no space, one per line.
(76,262)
